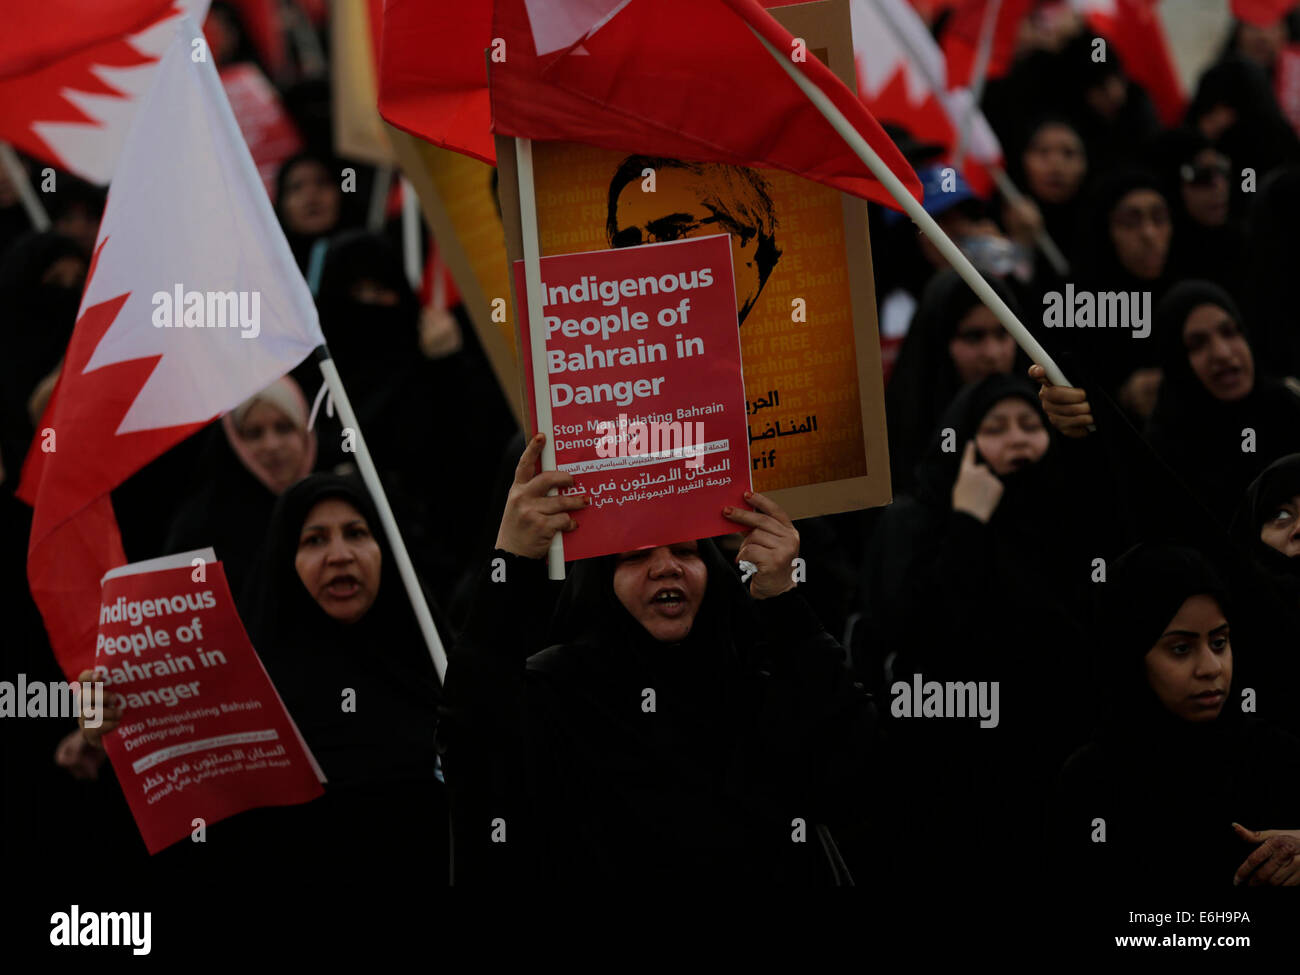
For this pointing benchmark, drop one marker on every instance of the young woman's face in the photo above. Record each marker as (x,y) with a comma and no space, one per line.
(662,588)
(1218,353)
(1140,230)
(339,560)
(1055,163)
(1281,528)
(276,444)
(311,200)
(1011,436)
(981,347)
(1190,667)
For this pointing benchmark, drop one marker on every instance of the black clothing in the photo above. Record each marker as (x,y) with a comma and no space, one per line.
(925,378)
(1166,788)
(380,758)
(951,598)
(755,726)
(1201,437)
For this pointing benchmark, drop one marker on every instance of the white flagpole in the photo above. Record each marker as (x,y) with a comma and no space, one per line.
(536,333)
(23,186)
(940,87)
(411,235)
(923,220)
(370,475)
(979,71)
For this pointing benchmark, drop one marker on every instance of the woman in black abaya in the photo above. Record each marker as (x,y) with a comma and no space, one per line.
(384,802)
(675,730)
(1217,422)
(953,340)
(980,575)
(1177,776)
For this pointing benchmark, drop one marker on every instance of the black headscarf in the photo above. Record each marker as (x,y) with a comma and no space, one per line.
(1163,785)
(1144,589)
(1279,483)
(1027,491)
(36,322)
(303,244)
(312,657)
(1260,138)
(1208,253)
(1101,269)
(1200,436)
(1270,297)
(925,380)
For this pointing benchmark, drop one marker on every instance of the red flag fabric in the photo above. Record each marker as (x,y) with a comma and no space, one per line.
(153,358)
(1135,29)
(961,37)
(1261,13)
(39,32)
(681,78)
(443,99)
(74,112)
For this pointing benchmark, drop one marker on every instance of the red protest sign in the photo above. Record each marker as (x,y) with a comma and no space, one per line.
(647,396)
(204,734)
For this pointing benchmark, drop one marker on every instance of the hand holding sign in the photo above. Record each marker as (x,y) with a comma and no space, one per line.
(531,518)
(771,545)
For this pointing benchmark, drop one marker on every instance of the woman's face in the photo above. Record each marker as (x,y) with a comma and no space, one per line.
(1011,436)
(662,588)
(1206,193)
(1140,230)
(1218,353)
(1281,528)
(1055,163)
(1190,667)
(276,444)
(339,560)
(311,200)
(981,346)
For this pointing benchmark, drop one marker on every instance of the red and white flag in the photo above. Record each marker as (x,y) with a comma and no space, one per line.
(903,79)
(681,78)
(193,303)
(72,105)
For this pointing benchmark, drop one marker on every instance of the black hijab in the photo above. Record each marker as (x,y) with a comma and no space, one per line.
(1279,483)
(1270,297)
(1209,253)
(1200,436)
(1028,493)
(36,322)
(299,243)
(925,379)
(695,679)
(312,657)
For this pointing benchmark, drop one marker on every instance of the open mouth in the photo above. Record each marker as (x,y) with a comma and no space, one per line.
(343,587)
(669,601)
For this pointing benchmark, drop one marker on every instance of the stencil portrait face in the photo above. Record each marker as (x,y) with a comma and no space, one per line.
(697,200)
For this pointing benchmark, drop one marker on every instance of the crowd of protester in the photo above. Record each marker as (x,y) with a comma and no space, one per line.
(1121,558)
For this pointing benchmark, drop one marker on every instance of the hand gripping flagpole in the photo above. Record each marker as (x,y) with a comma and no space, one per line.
(923,220)
(370,475)
(537,334)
